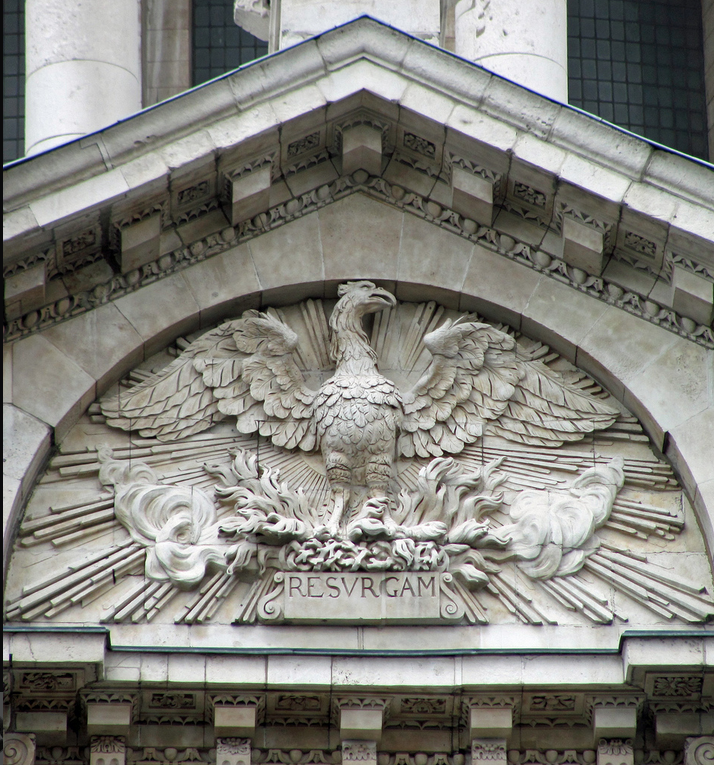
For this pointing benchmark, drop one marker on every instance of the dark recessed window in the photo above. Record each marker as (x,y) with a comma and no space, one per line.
(218,44)
(13,63)
(640,64)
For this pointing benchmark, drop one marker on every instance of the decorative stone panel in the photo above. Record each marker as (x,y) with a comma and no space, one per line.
(107,750)
(233,751)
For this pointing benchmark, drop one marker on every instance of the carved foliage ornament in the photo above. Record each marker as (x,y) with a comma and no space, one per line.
(398,474)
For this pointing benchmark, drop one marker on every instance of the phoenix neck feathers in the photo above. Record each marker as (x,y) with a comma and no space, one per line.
(349,344)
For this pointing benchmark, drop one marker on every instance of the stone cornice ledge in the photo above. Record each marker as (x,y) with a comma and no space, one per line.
(519,666)
(527,255)
(363,39)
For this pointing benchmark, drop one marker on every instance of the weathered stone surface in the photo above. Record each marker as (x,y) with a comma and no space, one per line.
(351,249)
(26,444)
(693,296)
(490,722)
(225,285)
(49,385)
(362,149)
(140,243)
(418,259)
(608,351)
(289,255)
(108,719)
(614,722)
(25,291)
(234,721)
(561,319)
(102,342)
(496,287)
(692,368)
(178,313)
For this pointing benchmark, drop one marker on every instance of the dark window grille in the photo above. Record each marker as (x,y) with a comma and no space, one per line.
(218,44)
(13,62)
(640,64)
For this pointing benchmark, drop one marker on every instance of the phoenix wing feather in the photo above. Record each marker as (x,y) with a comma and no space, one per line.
(244,368)
(178,401)
(276,402)
(477,380)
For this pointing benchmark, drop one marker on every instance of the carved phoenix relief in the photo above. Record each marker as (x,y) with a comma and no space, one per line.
(421,464)
(360,419)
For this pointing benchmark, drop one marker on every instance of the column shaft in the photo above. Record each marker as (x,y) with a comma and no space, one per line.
(83,63)
(524,41)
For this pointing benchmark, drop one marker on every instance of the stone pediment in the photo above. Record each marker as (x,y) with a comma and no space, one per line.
(361,109)
(383,155)
(188,569)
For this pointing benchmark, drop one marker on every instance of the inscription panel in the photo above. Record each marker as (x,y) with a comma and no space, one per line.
(390,596)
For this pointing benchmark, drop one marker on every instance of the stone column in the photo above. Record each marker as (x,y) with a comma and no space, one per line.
(83,63)
(294,20)
(526,42)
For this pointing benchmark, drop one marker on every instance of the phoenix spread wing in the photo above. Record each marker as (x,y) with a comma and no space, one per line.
(244,368)
(477,380)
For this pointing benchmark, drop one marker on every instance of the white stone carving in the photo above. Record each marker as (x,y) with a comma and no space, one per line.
(107,750)
(362,752)
(358,417)
(553,534)
(615,752)
(173,522)
(699,751)
(440,484)
(233,751)
(18,748)
(442,526)
(489,750)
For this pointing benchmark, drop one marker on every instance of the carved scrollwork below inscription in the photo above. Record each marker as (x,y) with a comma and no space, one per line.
(18,748)
(270,608)
(699,751)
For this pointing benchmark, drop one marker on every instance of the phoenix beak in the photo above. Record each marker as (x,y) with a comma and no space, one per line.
(382,296)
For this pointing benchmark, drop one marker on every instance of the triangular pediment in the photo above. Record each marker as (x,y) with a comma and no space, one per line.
(360,108)
(186,566)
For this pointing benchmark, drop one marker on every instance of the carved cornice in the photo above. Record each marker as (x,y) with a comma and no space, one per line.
(613,701)
(490,238)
